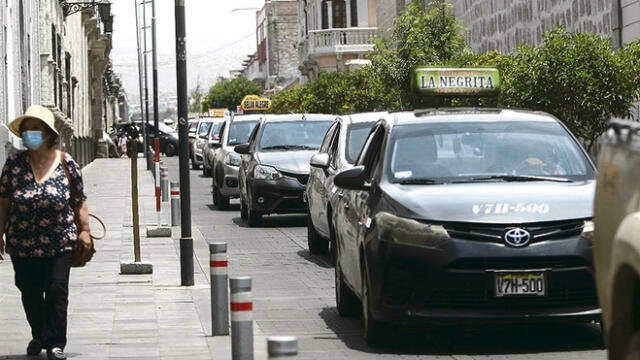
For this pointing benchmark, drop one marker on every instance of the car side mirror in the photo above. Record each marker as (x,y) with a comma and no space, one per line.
(214,144)
(242,149)
(351,179)
(320,160)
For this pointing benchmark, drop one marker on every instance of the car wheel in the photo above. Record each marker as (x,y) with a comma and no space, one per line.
(170,149)
(253,218)
(346,301)
(243,209)
(375,332)
(194,166)
(205,170)
(333,244)
(317,244)
(219,200)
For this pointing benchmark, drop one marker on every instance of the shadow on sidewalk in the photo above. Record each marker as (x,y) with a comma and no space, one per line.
(321,260)
(476,339)
(275,221)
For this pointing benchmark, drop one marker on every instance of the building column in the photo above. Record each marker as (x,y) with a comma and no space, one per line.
(348,5)
(330,14)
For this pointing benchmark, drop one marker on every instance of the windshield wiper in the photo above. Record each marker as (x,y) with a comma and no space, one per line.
(289,147)
(519,178)
(419,182)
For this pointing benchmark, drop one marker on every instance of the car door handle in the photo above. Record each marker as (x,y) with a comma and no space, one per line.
(340,195)
(346,206)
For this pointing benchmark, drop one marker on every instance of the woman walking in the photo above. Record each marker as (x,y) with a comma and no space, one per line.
(43,214)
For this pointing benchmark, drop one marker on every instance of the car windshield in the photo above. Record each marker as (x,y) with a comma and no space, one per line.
(204,127)
(293,135)
(356,135)
(240,131)
(485,151)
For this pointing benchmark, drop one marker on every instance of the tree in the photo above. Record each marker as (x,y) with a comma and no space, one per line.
(195,99)
(577,77)
(229,93)
(421,36)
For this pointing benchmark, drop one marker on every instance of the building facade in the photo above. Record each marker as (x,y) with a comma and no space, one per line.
(56,55)
(275,63)
(335,35)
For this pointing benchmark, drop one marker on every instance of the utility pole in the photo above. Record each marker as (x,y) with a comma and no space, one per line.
(140,77)
(186,242)
(146,87)
(155,75)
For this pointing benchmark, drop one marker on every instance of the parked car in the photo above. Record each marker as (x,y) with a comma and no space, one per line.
(338,151)
(224,161)
(275,164)
(201,140)
(193,126)
(616,239)
(213,139)
(168,138)
(466,214)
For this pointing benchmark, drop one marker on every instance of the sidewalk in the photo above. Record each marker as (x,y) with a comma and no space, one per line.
(113,316)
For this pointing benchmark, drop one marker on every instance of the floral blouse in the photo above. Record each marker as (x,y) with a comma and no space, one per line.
(40,222)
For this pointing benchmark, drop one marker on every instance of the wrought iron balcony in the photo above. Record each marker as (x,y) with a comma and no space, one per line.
(341,41)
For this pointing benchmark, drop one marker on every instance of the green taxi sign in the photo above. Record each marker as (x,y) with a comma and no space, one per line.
(457,81)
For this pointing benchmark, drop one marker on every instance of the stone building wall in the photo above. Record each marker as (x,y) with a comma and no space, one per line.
(503,24)
(282,36)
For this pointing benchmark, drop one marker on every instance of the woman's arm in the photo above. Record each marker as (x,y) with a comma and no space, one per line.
(82,216)
(5,203)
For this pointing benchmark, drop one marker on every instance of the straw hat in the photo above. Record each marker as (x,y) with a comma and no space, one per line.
(36,112)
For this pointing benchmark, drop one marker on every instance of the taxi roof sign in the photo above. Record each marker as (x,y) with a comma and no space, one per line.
(255,103)
(457,81)
(219,112)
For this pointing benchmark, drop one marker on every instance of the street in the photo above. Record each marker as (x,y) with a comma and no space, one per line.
(293,294)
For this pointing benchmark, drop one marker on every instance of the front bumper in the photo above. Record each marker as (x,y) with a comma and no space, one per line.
(455,282)
(229,186)
(282,196)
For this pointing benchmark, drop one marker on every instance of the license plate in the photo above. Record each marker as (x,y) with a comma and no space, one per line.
(519,283)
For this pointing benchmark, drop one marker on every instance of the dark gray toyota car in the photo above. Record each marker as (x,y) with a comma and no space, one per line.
(466,214)
(274,168)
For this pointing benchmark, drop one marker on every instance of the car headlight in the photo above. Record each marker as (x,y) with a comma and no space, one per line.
(587,230)
(409,231)
(261,172)
(232,159)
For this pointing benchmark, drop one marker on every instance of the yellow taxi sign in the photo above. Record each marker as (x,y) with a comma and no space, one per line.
(457,81)
(220,112)
(255,103)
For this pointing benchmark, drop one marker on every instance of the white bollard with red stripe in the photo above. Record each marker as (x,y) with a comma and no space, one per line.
(164,183)
(218,264)
(241,318)
(175,203)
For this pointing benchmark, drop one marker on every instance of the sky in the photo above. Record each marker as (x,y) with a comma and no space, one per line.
(220,35)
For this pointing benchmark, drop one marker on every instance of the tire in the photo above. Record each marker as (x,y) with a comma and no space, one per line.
(347,302)
(375,332)
(253,218)
(170,149)
(317,244)
(633,348)
(219,200)
(333,244)
(194,166)
(243,209)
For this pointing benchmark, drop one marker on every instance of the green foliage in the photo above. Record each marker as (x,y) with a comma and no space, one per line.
(419,37)
(229,93)
(575,76)
(338,93)
(195,99)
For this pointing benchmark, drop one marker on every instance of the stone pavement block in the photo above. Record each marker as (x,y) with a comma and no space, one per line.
(131,268)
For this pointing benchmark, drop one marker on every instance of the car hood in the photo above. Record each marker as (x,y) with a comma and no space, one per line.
(499,203)
(295,161)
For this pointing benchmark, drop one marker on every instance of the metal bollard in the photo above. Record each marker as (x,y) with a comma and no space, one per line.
(218,263)
(241,318)
(175,203)
(282,346)
(164,183)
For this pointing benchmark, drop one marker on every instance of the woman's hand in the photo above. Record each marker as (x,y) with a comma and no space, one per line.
(86,245)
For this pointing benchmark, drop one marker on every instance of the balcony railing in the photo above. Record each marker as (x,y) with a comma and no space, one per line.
(337,41)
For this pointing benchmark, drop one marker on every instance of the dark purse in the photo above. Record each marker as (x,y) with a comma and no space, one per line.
(81,254)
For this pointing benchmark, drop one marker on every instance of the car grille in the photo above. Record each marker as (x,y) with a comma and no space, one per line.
(302,178)
(540,262)
(484,299)
(494,233)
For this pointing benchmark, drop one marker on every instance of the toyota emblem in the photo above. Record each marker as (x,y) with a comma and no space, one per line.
(517,237)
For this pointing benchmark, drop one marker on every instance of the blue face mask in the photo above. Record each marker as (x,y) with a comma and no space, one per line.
(32,139)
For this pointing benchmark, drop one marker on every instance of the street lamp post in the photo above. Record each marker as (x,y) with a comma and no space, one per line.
(186,242)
